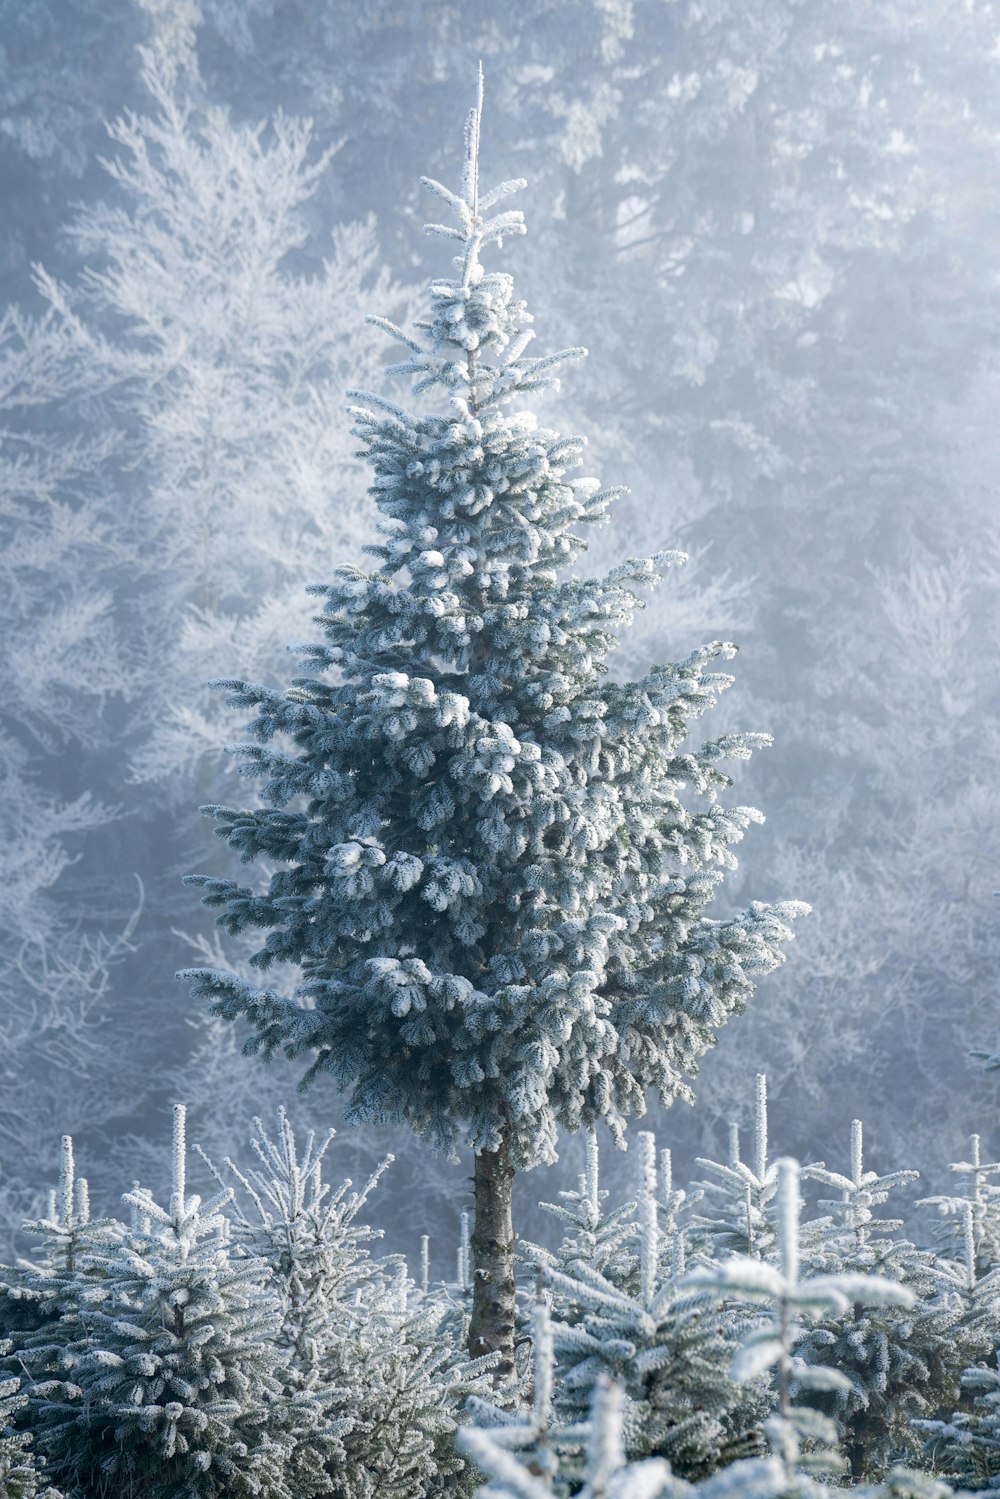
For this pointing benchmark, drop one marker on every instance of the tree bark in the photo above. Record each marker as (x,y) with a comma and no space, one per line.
(491,1329)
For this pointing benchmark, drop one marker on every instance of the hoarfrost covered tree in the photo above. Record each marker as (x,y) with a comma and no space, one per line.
(220,380)
(793,196)
(372,1350)
(62,666)
(20,1478)
(969,1224)
(493,887)
(900,1362)
(162,1373)
(305,1230)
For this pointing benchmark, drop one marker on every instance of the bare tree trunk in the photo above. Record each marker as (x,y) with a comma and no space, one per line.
(492,1325)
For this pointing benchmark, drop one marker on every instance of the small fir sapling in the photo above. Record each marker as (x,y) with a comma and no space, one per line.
(306,1231)
(804,1439)
(44,1300)
(593,1236)
(974,1293)
(40,1290)
(740,1194)
(972,1217)
(967,1446)
(675,1202)
(164,1376)
(901,1362)
(403,1386)
(484,848)
(531,1453)
(604,1470)
(668,1346)
(376,1355)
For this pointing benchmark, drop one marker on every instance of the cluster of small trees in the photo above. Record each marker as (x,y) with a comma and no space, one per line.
(245,1345)
(720,1340)
(699,1342)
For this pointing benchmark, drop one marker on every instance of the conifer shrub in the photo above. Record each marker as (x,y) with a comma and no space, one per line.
(19,1476)
(162,1376)
(377,1354)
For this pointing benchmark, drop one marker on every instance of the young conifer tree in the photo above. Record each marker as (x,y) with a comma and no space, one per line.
(488,876)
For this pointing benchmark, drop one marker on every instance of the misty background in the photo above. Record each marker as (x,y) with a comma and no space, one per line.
(774,225)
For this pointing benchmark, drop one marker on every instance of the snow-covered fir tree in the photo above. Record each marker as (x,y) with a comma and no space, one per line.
(490,879)
(667,1346)
(163,1374)
(900,1362)
(375,1352)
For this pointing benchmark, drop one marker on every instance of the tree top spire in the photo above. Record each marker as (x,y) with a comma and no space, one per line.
(473,126)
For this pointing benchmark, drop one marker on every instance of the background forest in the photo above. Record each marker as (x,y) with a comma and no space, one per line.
(773,224)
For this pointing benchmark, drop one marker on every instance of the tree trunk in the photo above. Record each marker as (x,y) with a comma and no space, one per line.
(492,1326)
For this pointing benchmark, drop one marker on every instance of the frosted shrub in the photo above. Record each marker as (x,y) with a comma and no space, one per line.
(900,1360)
(162,1374)
(373,1351)
(802,1438)
(306,1231)
(19,1477)
(667,1347)
(592,1235)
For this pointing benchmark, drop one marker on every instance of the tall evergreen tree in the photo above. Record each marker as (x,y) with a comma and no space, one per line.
(490,881)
